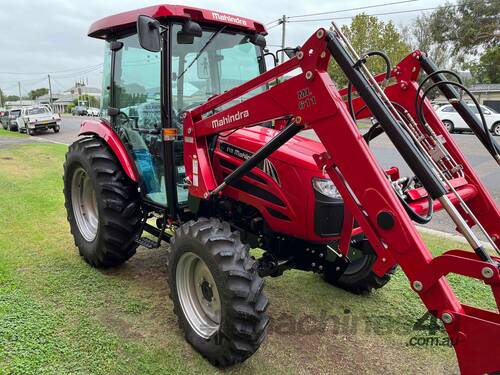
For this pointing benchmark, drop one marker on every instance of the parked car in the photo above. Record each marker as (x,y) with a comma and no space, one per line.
(79,110)
(4,119)
(93,112)
(8,119)
(37,118)
(454,122)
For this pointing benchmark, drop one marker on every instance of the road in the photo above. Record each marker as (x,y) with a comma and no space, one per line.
(70,126)
(475,154)
(383,150)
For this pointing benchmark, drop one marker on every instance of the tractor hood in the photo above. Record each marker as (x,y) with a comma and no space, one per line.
(298,151)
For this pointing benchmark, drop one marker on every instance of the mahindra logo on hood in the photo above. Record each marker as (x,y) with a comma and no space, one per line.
(228,18)
(230,119)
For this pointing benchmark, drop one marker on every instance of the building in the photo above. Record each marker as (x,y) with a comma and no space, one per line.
(488,94)
(45,99)
(78,91)
(19,103)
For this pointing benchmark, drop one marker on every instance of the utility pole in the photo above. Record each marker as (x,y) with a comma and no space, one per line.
(20,96)
(50,91)
(283,31)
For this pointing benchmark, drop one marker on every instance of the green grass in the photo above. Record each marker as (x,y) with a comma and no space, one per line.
(60,316)
(8,133)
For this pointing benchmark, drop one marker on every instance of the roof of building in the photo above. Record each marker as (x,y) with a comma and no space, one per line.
(55,96)
(66,99)
(109,25)
(82,89)
(485,87)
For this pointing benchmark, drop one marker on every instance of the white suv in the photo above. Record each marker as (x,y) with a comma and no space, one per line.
(455,123)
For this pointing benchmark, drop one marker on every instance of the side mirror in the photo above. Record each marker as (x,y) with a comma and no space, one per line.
(258,40)
(148,31)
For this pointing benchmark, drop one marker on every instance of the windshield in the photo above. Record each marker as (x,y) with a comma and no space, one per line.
(37,111)
(227,60)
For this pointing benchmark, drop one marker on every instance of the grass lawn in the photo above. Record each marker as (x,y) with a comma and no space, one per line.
(59,316)
(8,133)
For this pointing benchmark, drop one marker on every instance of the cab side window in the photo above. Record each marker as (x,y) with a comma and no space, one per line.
(137,84)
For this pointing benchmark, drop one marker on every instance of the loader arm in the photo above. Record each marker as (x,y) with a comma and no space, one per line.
(310,100)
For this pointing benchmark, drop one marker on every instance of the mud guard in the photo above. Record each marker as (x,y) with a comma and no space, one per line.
(102,129)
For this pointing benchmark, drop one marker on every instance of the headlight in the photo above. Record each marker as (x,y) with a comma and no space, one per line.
(326,187)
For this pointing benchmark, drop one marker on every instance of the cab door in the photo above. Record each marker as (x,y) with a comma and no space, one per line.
(136,112)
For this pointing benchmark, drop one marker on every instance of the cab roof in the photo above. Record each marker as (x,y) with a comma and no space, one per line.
(106,27)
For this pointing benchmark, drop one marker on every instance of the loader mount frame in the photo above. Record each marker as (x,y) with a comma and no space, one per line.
(310,100)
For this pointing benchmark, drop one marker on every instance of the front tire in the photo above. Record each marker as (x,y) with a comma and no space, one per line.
(102,203)
(216,291)
(359,277)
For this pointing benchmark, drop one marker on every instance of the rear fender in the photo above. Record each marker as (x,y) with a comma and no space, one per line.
(103,130)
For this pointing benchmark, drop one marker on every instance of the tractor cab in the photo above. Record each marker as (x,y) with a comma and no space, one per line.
(181,58)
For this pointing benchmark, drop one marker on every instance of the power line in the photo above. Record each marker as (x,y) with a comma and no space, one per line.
(374,14)
(352,9)
(54,72)
(272,27)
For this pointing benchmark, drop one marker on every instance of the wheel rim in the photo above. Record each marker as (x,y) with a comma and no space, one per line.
(496,130)
(358,261)
(198,295)
(84,204)
(447,124)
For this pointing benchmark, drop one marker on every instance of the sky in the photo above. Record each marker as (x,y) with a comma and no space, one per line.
(50,36)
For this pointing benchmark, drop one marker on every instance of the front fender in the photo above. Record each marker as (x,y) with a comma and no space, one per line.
(103,130)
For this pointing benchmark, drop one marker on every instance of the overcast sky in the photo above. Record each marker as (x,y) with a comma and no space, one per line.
(50,36)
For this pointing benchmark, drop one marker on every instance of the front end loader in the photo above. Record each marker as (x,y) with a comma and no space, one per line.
(201,148)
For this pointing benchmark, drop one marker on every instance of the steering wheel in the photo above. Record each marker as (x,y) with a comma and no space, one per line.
(421,219)
(123,117)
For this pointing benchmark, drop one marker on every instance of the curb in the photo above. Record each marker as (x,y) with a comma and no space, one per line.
(450,236)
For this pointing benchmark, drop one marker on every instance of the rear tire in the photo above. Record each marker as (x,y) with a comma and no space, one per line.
(102,203)
(56,129)
(359,277)
(220,304)
(449,126)
(496,129)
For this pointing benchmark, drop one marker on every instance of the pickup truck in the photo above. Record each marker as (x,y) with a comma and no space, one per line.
(37,118)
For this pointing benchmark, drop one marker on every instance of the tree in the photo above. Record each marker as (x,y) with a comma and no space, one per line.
(33,94)
(90,100)
(487,69)
(470,25)
(368,33)
(11,98)
(418,35)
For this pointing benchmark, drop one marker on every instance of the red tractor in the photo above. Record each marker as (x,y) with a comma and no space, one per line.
(200,148)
